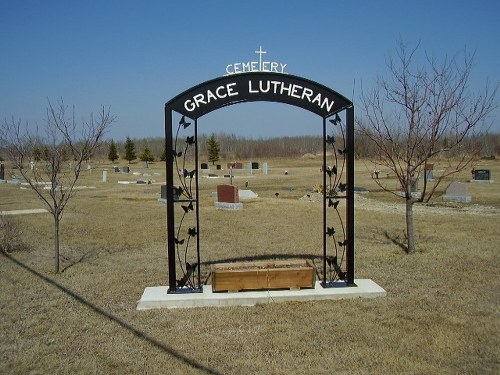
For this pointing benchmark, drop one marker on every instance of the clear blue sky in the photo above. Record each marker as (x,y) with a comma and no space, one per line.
(136,55)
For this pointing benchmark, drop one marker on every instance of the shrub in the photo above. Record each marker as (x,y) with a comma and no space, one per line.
(10,235)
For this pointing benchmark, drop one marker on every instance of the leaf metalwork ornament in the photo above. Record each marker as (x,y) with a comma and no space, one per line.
(190,140)
(342,243)
(332,261)
(178,242)
(330,231)
(188,208)
(332,203)
(337,120)
(190,268)
(177,154)
(192,232)
(183,122)
(189,174)
(178,191)
(330,140)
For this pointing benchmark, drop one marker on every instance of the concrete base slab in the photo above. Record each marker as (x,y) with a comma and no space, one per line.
(157,297)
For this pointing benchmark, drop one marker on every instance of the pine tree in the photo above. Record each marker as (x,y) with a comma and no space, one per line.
(163,156)
(147,155)
(129,150)
(213,149)
(113,153)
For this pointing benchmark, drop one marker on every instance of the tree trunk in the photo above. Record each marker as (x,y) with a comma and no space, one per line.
(56,243)
(409,225)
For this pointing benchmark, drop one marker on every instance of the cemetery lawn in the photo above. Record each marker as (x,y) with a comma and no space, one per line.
(441,314)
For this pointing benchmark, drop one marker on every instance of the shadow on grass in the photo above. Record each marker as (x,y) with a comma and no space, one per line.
(396,240)
(151,340)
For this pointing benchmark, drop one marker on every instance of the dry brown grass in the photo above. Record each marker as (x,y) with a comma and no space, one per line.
(441,313)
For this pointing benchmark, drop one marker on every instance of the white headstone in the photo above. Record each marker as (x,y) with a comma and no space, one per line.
(264,168)
(105,175)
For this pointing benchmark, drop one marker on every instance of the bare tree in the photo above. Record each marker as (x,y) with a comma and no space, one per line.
(421,112)
(50,159)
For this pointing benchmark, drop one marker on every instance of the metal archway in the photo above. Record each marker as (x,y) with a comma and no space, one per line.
(338,179)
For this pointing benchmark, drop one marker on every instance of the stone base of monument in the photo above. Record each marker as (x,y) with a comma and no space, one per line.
(457,198)
(228,206)
(234,277)
(482,181)
(157,297)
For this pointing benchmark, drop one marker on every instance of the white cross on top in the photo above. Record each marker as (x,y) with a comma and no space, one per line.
(260,52)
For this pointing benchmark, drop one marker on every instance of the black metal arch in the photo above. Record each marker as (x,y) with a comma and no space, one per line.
(338,180)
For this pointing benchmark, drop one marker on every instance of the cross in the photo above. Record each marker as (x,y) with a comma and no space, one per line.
(260,52)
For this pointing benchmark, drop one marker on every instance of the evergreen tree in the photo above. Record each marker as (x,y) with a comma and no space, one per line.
(147,155)
(129,150)
(213,149)
(112,154)
(163,156)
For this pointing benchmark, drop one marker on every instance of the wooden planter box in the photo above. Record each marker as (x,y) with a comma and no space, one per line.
(235,277)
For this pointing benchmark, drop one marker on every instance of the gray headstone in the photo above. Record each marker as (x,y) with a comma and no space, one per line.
(457,192)
(264,168)
(126,169)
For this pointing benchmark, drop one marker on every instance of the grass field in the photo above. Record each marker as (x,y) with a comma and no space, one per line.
(441,314)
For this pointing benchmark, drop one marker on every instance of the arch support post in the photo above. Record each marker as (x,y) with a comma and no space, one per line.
(350,195)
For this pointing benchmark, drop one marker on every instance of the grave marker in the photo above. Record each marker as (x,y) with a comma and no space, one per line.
(264,169)
(428,170)
(228,198)
(481,175)
(2,172)
(457,192)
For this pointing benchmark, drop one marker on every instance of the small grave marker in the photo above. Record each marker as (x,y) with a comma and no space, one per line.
(2,172)
(265,169)
(126,169)
(429,172)
(481,175)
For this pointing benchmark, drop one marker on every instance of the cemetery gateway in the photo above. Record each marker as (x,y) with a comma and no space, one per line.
(182,118)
